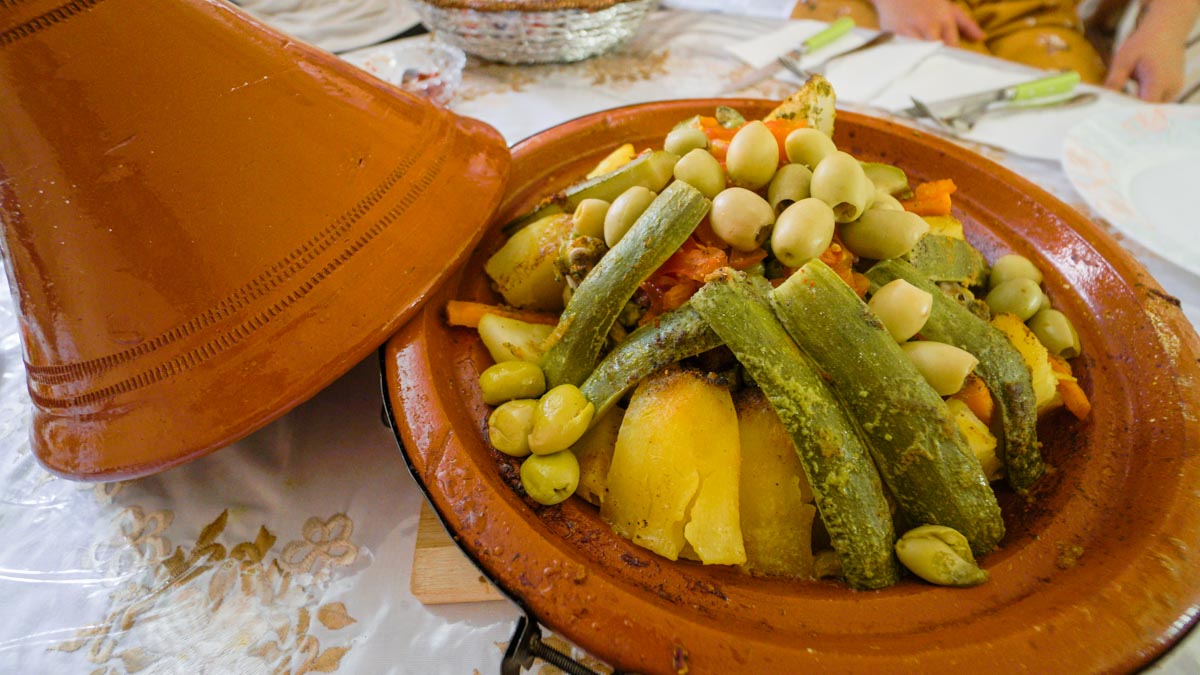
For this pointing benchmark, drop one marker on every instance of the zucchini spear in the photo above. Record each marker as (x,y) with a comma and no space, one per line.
(676,335)
(845,486)
(918,450)
(574,346)
(1000,366)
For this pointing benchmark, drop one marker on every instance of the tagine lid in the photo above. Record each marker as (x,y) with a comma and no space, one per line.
(206,222)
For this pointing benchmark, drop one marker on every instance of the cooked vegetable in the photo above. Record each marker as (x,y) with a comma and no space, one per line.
(1072,394)
(802,232)
(975,395)
(752,157)
(815,103)
(846,488)
(978,436)
(902,307)
(652,171)
(880,234)
(588,218)
(614,160)
(584,325)
(561,417)
(807,147)
(509,380)
(674,474)
(624,212)
(839,181)
(776,500)
(944,258)
(550,479)
(790,184)
(886,178)
(1035,356)
(940,556)
(512,339)
(594,450)
(1013,266)
(1056,332)
(675,336)
(1000,366)
(931,199)
(741,218)
(917,449)
(467,314)
(702,171)
(945,367)
(523,269)
(684,139)
(945,226)
(509,426)
(1022,297)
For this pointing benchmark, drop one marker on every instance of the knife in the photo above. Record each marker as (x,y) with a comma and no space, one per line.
(827,35)
(1058,84)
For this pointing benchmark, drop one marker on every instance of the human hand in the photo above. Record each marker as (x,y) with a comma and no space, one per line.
(928,20)
(1153,55)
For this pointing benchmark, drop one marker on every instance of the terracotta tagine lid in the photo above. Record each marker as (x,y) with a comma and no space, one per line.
(205,222)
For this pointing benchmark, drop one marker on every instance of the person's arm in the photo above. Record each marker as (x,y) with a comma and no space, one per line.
(1153,55)
(928,19)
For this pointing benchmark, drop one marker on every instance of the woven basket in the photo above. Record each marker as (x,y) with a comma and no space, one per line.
(534,31)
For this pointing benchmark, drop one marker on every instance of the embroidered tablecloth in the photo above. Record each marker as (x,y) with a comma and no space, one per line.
(290,551)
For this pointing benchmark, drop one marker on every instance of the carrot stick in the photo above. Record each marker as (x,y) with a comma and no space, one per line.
(467,314)
(975,394)
(931,199)
(1072,394)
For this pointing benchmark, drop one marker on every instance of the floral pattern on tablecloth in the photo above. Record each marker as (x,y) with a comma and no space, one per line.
(240,607)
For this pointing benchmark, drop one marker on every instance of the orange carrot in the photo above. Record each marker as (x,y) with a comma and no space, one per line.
(780,128)
(743,261)
(975,395)
(931,199)
(467,314)
(1072,394)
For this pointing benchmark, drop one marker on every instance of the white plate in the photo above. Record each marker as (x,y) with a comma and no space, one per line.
(1140,169)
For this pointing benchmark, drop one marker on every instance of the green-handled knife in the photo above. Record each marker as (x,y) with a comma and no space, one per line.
(967,109)
(827,35)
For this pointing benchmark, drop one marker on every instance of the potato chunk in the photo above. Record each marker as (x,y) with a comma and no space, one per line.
(674,474)
(595,452)
(776,499)
(523,268)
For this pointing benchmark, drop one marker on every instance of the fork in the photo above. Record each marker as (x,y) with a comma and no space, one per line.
(791,60)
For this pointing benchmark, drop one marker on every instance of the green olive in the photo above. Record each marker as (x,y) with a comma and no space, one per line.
(1021,296)
(802,232)
(508,380)
(753,156)
(886,202)
(1013,266)
(939,555)
(902,307)
(588,218)
(702,171)
(683,140)
(881,234)
(741,218)
(790,184)
(945,367)
(562,416)
(1056,332)
(840,182)
(808,146)
(509,426)
(624,212)
(550,479)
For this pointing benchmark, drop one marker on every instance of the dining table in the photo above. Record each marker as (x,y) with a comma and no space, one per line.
(292,549)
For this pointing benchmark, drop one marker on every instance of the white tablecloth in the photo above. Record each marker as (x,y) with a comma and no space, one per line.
(290,551)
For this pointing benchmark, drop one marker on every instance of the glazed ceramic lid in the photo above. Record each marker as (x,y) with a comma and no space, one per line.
(206,222)
(1095,574)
